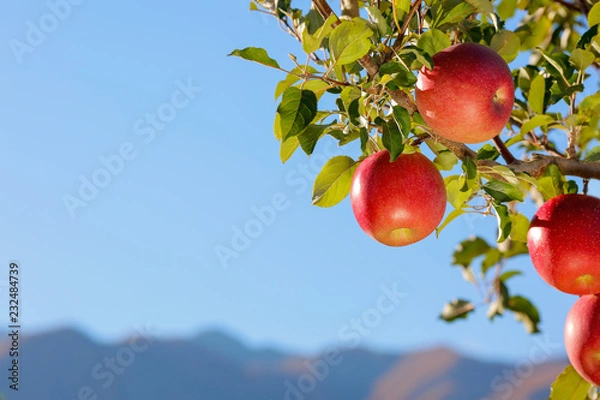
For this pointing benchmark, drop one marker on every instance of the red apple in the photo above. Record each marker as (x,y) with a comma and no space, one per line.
(469,94)
(564,243)
(398,203)
(582,337)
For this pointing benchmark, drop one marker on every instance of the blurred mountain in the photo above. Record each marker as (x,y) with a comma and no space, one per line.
(67,365)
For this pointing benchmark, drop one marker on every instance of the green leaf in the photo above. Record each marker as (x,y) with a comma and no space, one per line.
(507,44)
(398,75)
(348,95)
(288,148)
(581,59)
(504,222)
(311,43)
(332,184)
(569,386)
(256,54)
(468,250)
(507,8)
(433,41)
(503,191)
(402,6)
(487,152)
(555,68)
(537,92)
(516,249)
(457,14)
(451,217)
(417,56)
(379,20)
(552,183)
(310,136)
(402,118)
(455,195)
(392,139)
(594,15)
(492,258)
(350,41)
(297,110)
(253,6)
(509,274)
(593,155)
(535,122)
(525,312)
(483,6)
(520,226)
(457,309)
(446,160)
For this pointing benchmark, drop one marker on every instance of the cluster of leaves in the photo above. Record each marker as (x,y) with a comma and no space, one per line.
(355,81)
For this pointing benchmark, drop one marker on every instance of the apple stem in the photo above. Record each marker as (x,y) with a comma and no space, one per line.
(586,185)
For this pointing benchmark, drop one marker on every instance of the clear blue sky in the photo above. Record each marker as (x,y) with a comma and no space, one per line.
(143,251)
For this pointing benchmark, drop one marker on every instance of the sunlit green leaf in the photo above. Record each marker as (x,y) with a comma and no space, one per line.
(594,15)
(288,148)
(451,217)
(256,54)
(509,274)
(535,122)
(311,43)
(551,184)
(569,386)
(507,44)
(581,59)
(593,154)
(434,41)
(332,184)
(350,41)
(520,226)
(537,91)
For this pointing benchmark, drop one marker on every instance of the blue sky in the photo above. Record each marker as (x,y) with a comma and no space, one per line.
(142,251)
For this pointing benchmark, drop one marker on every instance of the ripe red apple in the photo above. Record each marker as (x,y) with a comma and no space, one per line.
(564,243)
(398,203)
(469,94)
(582,337)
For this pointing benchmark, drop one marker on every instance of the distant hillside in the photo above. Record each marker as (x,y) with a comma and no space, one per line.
(67,365)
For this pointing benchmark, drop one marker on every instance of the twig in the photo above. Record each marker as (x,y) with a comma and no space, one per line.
(504,151)
(415,5)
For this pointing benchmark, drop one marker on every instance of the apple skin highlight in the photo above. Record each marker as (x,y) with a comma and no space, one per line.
(398,203)
(582,337)
(468,96)
(564,243)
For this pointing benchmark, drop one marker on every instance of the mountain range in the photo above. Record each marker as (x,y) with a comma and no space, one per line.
(66,364)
